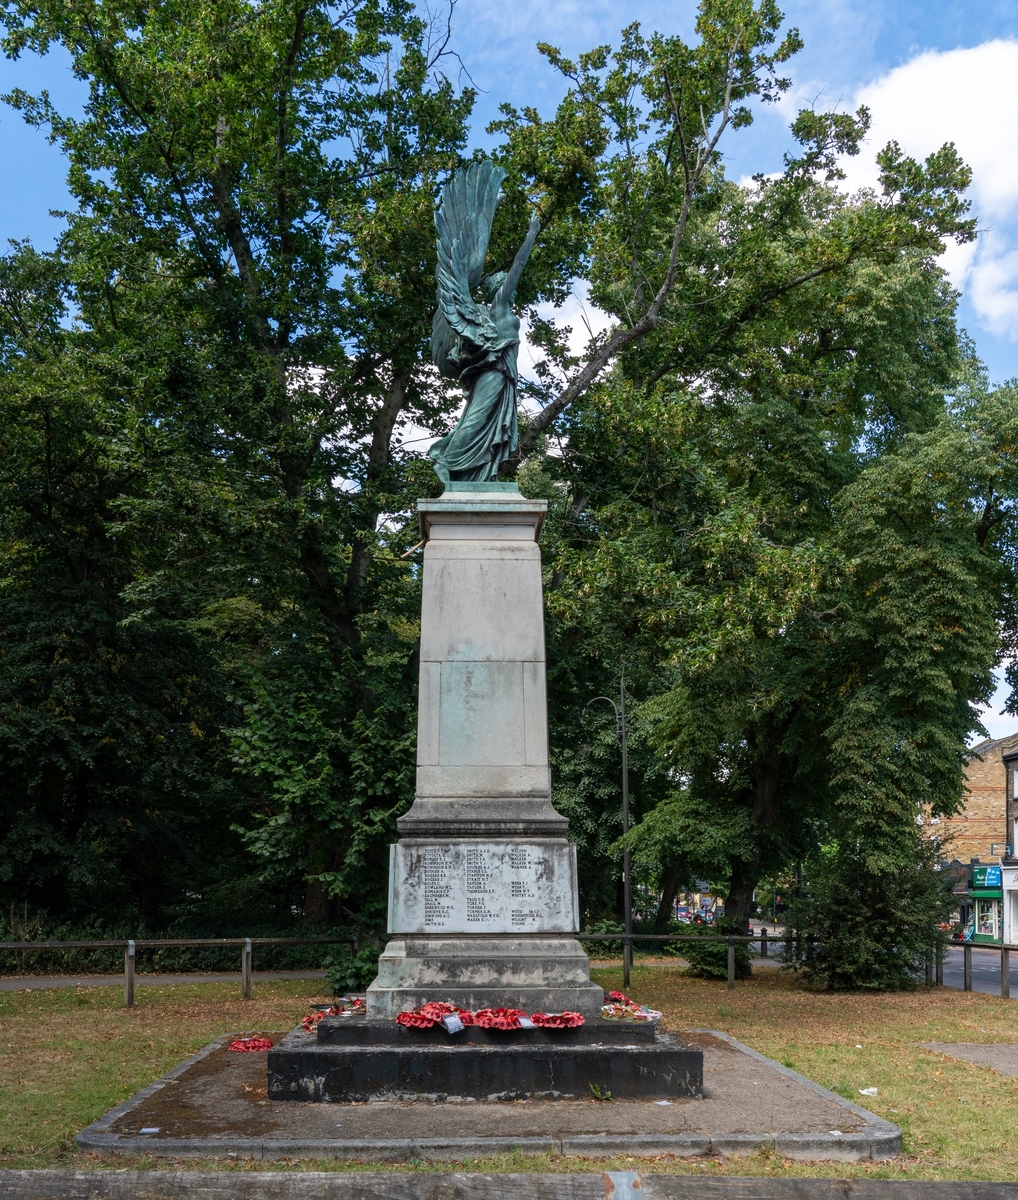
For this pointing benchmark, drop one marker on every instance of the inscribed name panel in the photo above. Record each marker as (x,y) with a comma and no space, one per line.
(483,887)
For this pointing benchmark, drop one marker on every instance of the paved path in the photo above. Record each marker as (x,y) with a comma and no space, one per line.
(1001,1057)
(27,983)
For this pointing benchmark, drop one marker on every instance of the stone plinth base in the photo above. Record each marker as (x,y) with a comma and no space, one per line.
(352,1060)
(536,974)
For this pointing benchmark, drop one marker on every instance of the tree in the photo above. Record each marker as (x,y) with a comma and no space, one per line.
(219,434)
(250,268)
(702,530)
(108,726)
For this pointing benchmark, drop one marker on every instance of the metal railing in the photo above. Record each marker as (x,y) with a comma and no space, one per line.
(131,946)
(730,939)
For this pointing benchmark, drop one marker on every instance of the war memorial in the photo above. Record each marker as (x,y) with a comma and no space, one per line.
(483,1032)
(483,903)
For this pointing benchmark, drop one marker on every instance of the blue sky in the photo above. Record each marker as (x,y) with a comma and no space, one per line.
(931,71)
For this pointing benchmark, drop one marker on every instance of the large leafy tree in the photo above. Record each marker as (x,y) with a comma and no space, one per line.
(821,591)
(773,346)
(213,387)
(216,435)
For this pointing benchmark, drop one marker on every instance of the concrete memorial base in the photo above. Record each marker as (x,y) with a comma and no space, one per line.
(216,1104)
(352,1059)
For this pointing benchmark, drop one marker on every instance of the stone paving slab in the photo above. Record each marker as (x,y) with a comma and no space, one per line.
(419,1185)
(216,1104)
(1001,1057)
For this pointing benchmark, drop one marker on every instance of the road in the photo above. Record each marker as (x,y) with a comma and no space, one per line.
(985,970)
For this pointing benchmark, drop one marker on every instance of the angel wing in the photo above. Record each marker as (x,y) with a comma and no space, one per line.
(463,221)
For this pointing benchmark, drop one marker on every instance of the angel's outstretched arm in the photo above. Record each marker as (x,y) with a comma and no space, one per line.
(508,288)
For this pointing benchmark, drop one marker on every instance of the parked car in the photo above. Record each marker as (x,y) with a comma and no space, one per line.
(683,914)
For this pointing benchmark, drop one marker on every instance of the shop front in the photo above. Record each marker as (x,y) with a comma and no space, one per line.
(986,896)
(1010,904)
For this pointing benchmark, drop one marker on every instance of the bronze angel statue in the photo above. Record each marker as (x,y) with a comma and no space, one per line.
(471,342)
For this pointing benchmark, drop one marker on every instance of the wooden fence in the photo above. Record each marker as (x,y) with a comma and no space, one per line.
(130,946)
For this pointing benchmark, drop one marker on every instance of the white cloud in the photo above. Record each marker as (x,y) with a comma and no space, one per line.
(969,97)
(998,724)
(584,320)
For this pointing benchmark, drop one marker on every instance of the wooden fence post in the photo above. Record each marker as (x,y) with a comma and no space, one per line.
(731,961)
(967,960)
(1005,973)
(245,970)
(129,975)
(763,942)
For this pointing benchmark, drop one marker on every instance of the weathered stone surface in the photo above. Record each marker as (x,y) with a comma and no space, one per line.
(482,732)
(483,881)
(536,974)
(303,1068)
(482,887)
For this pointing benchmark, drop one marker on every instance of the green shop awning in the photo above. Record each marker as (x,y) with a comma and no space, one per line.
(987,893)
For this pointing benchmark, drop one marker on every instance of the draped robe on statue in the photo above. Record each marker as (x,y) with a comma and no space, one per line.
(486,433)
(474,343)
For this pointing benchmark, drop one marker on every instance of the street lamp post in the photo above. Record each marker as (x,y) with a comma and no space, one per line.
(627,887)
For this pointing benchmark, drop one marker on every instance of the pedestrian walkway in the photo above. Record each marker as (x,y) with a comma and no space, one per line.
(27,983)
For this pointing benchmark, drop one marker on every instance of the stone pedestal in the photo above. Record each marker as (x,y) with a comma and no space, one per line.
(351,1060)
(482,884)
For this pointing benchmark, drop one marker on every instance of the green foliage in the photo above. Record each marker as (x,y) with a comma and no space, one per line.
(770,343)
(781,491)
(870,927)
(348,970)
(195,469)
(709,960)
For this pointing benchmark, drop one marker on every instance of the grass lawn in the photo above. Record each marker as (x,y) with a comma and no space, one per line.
(68,1056)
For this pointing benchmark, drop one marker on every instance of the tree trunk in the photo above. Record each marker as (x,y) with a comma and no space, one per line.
(670,888)
(316,906)
(739,901)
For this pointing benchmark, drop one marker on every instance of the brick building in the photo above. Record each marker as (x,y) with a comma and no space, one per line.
(986,825)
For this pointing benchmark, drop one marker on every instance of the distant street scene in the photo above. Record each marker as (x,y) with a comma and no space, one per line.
(985,970)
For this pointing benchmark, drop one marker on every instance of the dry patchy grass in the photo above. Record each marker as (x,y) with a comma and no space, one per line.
(68,1056)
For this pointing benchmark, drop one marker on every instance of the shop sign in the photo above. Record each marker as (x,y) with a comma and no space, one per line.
(986,877)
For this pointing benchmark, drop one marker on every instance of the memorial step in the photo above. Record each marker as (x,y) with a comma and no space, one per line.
(540,1067)
(358,1030)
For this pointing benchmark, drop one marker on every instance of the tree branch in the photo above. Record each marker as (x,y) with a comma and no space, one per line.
(623,338)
